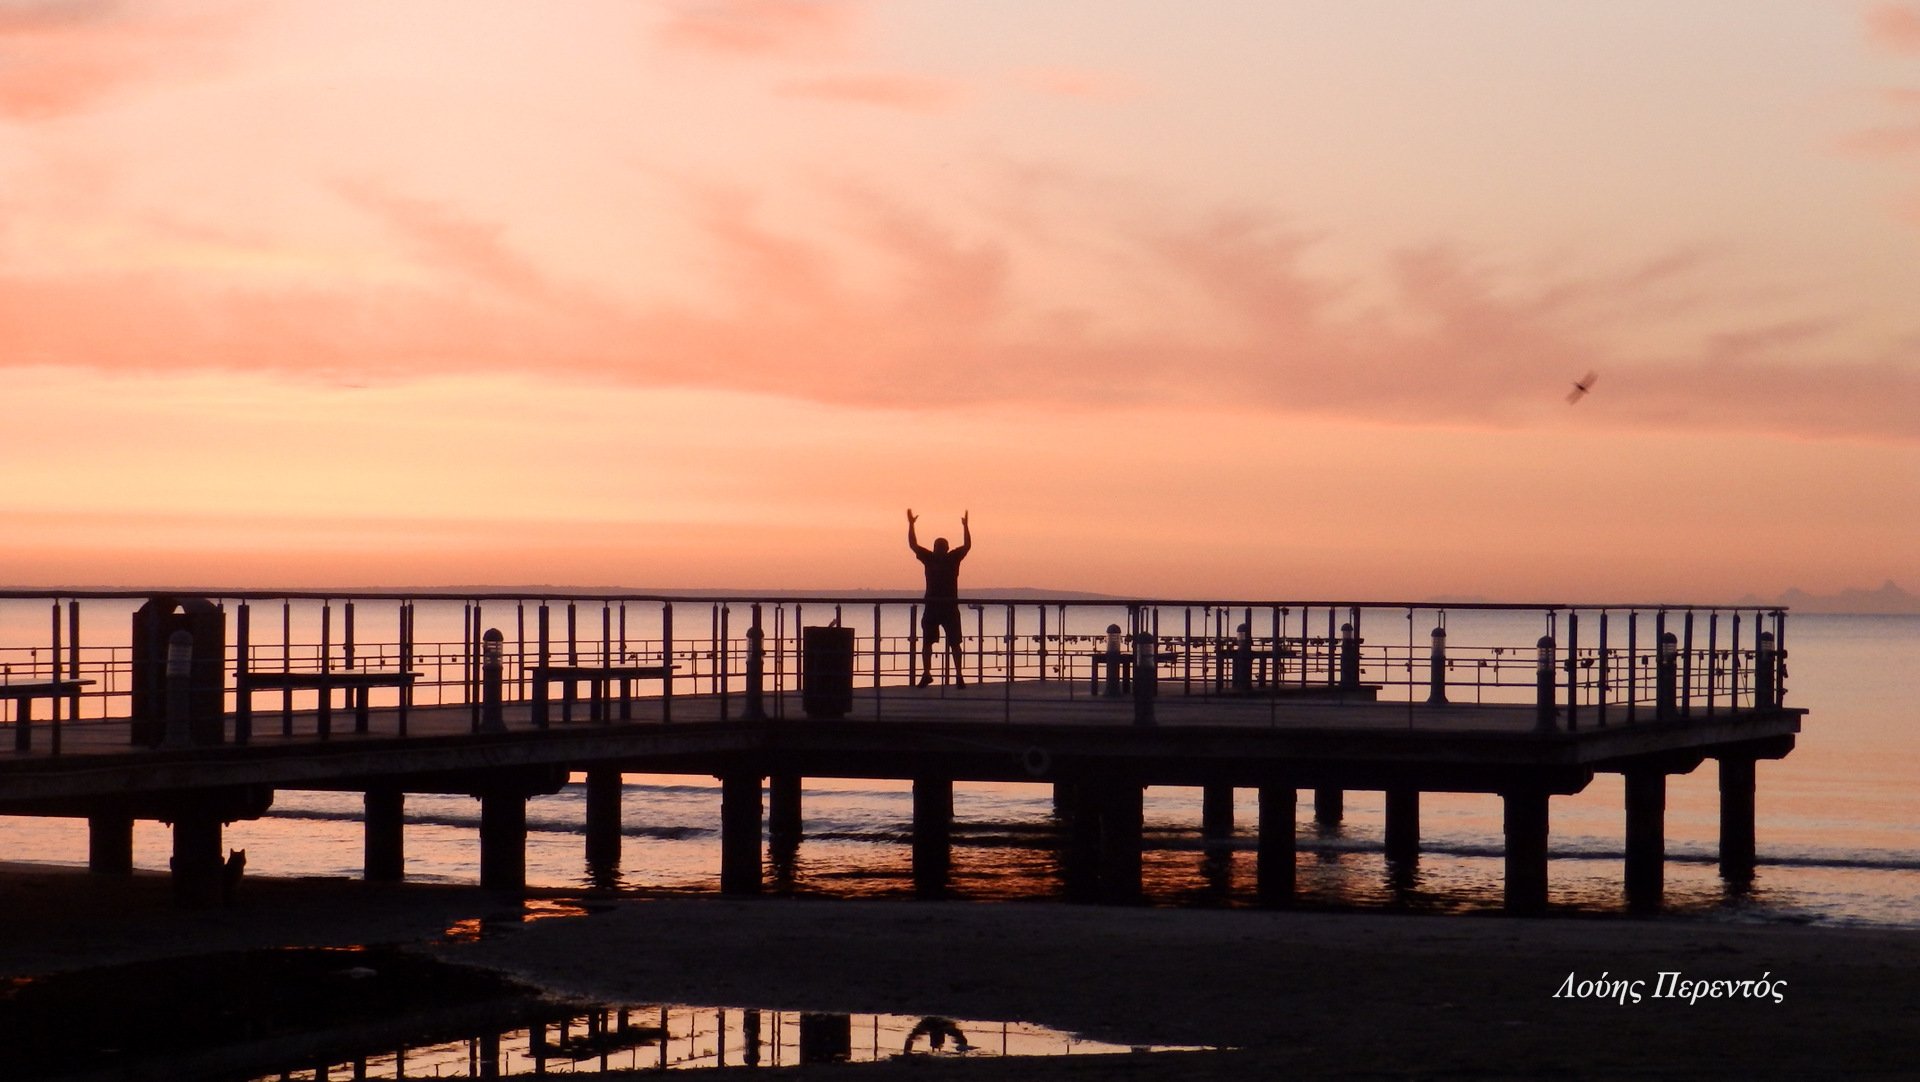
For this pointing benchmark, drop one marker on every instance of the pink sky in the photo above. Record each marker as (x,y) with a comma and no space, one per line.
(1255,299)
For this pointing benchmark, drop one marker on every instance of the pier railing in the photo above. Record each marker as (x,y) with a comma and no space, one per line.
(1577,664)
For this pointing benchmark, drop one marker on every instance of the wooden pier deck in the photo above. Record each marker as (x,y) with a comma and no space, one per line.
(1659,706)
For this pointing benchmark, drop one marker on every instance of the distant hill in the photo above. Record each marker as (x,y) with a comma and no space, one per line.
(1888,599)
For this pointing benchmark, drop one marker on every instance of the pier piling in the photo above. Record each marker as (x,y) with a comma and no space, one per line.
(1122,811)
(1646,798)
(1403,824)
(1274,864)
(741,827)
(1736,818)
(932,835)
(1329,806)
(385,834)
(110,843)
(197,862)
(1526,858)
(503,840)
(1216,813)
(604,785)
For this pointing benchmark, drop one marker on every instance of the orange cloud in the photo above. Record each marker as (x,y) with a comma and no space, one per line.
(896,307)
(910,92)
(63,56)
(758,27)
(1881,142)
(1895,27)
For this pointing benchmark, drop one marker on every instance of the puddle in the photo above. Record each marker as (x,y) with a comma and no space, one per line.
(390,1013)
(474,929)
(665,1038)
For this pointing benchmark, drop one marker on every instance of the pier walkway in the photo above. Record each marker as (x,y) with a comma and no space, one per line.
(761,701)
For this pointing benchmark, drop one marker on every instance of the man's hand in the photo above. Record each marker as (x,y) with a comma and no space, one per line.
(911,517)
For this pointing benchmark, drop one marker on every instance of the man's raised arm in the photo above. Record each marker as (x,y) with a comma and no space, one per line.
(912,541)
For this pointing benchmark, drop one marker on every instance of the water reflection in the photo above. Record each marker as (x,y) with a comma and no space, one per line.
(662,1038)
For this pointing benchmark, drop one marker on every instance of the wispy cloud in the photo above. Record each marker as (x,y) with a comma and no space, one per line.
(758,27)
(62,56)
(896,306)
(914,93)
(1895,27)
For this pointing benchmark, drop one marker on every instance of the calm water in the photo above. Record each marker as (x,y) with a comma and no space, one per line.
(1838,825)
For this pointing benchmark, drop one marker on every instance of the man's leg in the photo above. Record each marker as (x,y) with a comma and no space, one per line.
(954,648)
(928,629)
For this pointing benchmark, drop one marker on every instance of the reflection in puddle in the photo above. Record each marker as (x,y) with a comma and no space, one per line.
(660,1038)
(473,929)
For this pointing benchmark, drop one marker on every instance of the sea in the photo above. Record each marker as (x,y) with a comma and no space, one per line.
(1837,823)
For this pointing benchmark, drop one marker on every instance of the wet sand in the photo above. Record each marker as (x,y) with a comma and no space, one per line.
(1283,994)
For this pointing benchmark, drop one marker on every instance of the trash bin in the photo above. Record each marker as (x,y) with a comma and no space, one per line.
(153,625)
(826,671)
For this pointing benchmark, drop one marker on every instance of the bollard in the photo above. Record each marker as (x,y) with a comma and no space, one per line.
(1437,664)
(492,719)
(1243,658)
(1544,683)
(1146,677)
(1113,659)
(179,690)
(756,709)
(1765,662)
(1349,657)
(1667,677)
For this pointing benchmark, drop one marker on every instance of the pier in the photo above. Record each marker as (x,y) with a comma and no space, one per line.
(196,708)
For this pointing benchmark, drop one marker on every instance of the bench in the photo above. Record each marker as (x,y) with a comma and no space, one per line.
(1120,669)
(23,692)
(359,681)
(599,680)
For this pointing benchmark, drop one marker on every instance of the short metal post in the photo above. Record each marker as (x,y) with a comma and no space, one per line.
(1243,658)
(1543,719)
(1764,662)
(492,718)
(1437,669)
(755,709)
(1146,676)
(1113,659)
(1667,676)
(1349,657)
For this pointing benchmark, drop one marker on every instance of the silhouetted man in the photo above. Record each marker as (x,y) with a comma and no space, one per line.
(942,615)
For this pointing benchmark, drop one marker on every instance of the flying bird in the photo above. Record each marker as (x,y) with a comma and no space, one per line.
(1581,387)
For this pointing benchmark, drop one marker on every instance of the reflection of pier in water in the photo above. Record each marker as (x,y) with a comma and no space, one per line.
(666,1038)
(213,708)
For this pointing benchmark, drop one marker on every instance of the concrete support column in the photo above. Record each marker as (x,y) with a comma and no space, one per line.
(1403,825)
(1646,839)
(1216,813)
(198,863)
(784,817)
(503,840)
(1274,866)
(1122,813)
(1328,806)
(604,833)
(1736,819)
(386,854)
(932,835)
(1078,810)
(1526,830)
(740,834)
(110,843)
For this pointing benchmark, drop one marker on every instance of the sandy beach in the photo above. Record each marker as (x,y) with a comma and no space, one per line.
(1280,993)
